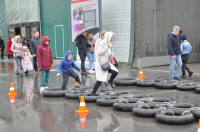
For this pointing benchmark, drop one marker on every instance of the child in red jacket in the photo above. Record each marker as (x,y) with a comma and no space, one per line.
(45,61)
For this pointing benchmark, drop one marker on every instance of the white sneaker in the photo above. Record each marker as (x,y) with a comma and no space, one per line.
(41,89)
(46,87)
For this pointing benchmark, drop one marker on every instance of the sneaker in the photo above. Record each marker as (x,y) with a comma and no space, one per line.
(177,78)
(16,73)
(112,84)
(190,74)
(41,89)
(46,87)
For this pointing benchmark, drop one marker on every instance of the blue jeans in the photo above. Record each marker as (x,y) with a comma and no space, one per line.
(90,56)
(172,65)
(44,78)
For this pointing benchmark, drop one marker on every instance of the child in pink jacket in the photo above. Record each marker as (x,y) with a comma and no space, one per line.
(26,60)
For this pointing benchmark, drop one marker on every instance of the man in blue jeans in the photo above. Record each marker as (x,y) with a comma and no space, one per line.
(173,46)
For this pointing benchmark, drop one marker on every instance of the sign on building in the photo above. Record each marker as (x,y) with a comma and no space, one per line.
(84,13)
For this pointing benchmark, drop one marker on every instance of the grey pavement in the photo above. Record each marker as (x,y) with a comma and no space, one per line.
(34,113)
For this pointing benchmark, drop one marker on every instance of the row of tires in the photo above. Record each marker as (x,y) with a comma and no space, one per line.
(165,110)
(160,83)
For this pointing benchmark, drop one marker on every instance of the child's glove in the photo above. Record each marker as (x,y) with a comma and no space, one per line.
(58,74)
(80,70)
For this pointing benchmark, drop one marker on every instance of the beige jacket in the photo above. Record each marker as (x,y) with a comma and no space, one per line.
(91,49)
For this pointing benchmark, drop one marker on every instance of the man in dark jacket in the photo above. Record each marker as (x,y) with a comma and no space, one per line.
(2,46)
(82,44)
(173,46)
(35,42)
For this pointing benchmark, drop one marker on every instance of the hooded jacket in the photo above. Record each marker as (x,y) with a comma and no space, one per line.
(44,55)
(16,47)
(9,43)
(173,44)
(35,42)
(67,66)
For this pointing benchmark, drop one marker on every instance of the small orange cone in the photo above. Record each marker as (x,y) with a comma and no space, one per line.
(12,90)
(141,74)
(77,83)
(82,107)
(199,126)
(12,99)
(83,119)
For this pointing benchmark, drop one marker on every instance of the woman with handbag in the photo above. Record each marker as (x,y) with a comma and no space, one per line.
(102,63)
(17,49)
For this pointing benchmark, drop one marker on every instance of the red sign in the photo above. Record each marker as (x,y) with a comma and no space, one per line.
(78,1)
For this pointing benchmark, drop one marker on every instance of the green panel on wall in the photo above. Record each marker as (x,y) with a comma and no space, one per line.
(55,23)
(3,27)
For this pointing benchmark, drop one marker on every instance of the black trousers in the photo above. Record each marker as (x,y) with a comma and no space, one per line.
(98,83)
(2,51)
(185,58)
(66,77)
(82,57)
(10,56)
(35,63)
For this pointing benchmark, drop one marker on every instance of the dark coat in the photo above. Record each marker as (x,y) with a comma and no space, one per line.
(82,44)
(67,66)
(173,45)
(1,43)
(35,42)
(44,56)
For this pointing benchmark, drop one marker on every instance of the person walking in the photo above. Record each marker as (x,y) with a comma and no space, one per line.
(26,60)
(2,46)
(90,51)
(17,49)
(8,47)
(82,44)
(173,46)
(45,61)
(186,48)
(35,42)
(103,56)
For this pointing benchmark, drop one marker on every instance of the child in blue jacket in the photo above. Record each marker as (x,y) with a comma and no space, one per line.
(66,65)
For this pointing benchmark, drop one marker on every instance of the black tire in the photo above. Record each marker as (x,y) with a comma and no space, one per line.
(107,100)
(166,84)
(186,86)
(167,117)
(197,89)
(90,99)
(53,92)
(135,96)
(124,106)
(74,95)
(183,106)
(145,83)
(196,113)
(125,81)
(162,100)
(160,79)
(147,110)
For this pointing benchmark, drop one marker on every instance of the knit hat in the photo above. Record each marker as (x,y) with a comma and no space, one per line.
(184,37)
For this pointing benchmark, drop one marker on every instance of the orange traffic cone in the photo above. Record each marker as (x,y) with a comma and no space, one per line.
(199,126)
(82,107)
(12,99)
(141,74)
(12,90)
(83,119)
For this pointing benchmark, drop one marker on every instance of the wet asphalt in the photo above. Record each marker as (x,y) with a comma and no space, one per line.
(34,113)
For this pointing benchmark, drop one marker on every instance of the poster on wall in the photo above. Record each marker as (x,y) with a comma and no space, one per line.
(84,13)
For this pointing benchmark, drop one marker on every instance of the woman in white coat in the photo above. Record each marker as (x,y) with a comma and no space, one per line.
(103,54)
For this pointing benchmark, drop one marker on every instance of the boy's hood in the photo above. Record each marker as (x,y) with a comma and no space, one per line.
(67,54)
(44,39)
